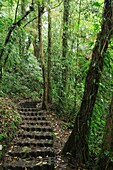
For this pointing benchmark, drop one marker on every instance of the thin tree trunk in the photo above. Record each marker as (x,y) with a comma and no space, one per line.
(40,12)
(77,143)
(36,48)
(22,36)
(49,55)
(0,71)
(64,86)
(65,44)
(77,52)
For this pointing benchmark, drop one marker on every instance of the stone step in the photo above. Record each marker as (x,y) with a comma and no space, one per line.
(40,122)
(32,147)
(25,151)
(27,109)
(32,113)
(29,104)
(35,134)
(29,142)
(32,163)
(35,110)
(36,118)
(36,128)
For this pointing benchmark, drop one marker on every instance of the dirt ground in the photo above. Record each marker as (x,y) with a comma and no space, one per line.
(61,134)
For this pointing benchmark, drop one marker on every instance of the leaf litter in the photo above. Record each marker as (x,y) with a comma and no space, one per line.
(61,135)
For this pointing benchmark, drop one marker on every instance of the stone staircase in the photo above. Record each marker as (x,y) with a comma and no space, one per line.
(32,147)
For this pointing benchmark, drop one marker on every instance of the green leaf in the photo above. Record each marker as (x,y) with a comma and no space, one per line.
(106,152)
(40,1)
(1,136)
(97,4)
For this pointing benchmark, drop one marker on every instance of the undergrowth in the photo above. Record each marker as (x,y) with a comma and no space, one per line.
(9,121)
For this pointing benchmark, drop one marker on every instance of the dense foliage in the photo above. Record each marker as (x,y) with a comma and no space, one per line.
(9,121)
(18,78)
(22,68)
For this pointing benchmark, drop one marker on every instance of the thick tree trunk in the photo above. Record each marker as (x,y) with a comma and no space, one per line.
(49,55)
(77,143)
(105,162)
(40,12)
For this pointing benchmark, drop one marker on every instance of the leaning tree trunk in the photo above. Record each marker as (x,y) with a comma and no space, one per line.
(8,36)
(77,143)
(105,162)
(40,12)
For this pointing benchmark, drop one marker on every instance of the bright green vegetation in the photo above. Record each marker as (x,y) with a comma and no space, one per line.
(9,119)
(59,63)
(22,81)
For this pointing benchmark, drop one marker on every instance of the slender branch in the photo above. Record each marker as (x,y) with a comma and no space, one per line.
(57,5)
(12,27)
(16,11)
(29,22)
(9,51)
(53,6)
(43,12)
(32,2)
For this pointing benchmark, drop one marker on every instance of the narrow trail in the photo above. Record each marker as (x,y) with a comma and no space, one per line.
(32,147)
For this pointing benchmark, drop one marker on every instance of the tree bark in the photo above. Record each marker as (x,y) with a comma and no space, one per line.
(105,162)
(40,12)
(65,43)
(77,143)
(36,48)
(63,92)
(77,52)
(22,36)
(49,99)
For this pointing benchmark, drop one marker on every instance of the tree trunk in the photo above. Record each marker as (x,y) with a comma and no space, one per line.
(49,55)
(77,53)
(0,71)
(8,36)
(77,143)
(40,12)
(65,44)
(105,162)
(22,36)
(63,92)
(36,48)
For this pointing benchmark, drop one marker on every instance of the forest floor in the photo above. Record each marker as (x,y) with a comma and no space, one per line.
(61,132)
